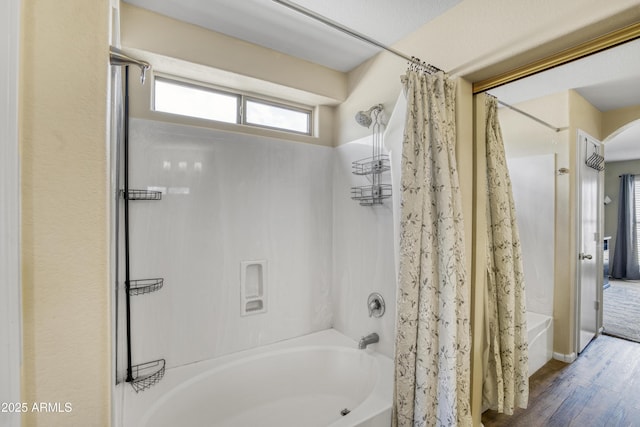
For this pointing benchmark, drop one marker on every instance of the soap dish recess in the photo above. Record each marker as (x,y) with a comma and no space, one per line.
(253,287)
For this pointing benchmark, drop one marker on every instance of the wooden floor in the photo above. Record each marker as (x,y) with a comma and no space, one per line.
(601,388)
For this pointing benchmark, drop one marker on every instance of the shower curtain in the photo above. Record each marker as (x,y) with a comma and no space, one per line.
(432,372)
(625,257)
(506,378)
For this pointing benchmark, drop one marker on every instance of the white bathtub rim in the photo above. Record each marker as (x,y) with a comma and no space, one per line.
(540,345)
(166,397)
(138,405)
(539,327)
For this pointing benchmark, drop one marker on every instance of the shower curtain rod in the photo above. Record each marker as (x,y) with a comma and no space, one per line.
(414,61)
(118,57)
(532,117)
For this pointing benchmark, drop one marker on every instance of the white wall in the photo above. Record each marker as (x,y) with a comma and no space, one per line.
(363,253)
(240,197)
(533,183)
(231,197)
(10,213)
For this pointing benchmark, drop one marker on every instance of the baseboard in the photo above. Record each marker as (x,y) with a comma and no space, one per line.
(567,358)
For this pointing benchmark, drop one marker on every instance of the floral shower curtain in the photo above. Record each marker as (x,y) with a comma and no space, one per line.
(506,377)
(432,372)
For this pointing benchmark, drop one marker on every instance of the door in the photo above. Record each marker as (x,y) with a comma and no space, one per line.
(589,270)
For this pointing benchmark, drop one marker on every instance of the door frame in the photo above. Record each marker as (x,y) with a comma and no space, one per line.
(580,134)
(10,275)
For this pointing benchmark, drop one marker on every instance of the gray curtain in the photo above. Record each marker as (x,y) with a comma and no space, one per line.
(432,362)
(625,258)
(506,363)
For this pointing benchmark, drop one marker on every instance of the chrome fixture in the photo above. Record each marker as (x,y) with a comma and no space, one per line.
(117,57)
(375,304)
(364,117)
(369,339)
(532,117)
(372,167)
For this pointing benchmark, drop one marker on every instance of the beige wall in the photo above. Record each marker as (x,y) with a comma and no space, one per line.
(584,116)
(65,281)
(193,53)
(525,137)
(158,34)
(465,42)
(615,120)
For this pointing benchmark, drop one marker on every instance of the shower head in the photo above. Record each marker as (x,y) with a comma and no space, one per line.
(364,117)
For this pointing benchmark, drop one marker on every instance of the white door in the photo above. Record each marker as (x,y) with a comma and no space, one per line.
(589,270)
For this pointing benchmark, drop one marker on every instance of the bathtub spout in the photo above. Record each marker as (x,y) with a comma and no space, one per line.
(369,339)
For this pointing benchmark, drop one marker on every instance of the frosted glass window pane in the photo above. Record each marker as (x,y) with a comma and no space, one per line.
(273,116)
(190,101)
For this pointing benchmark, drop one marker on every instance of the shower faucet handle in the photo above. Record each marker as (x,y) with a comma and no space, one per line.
(375,304)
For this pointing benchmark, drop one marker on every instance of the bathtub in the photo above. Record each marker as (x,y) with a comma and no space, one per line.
(310,381)
(540,338)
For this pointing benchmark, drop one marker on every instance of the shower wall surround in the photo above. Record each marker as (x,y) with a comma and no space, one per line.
(533,183)
(363,253)
(228,198)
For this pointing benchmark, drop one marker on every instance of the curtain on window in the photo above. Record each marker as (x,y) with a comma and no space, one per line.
(625,257)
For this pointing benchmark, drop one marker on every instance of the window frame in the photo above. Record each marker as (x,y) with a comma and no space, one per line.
(243,98)
(203,87)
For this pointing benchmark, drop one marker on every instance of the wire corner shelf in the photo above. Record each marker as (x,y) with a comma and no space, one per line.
(371,165)
(371,195)
(147,374)
(142,194)
(145,286)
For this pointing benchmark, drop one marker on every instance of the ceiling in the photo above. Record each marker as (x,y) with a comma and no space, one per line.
(608,80)
(269,24)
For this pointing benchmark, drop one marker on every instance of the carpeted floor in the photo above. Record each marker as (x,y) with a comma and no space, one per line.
(621,315)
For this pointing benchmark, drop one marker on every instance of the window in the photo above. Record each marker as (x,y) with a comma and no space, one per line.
(188,99)
(276,116)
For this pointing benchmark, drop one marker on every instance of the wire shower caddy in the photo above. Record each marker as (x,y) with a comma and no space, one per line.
(372,167)
(144,375)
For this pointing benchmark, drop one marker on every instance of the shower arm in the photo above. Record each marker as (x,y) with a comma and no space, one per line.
(117,57)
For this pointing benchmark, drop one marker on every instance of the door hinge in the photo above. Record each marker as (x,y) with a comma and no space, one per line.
(596,305)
